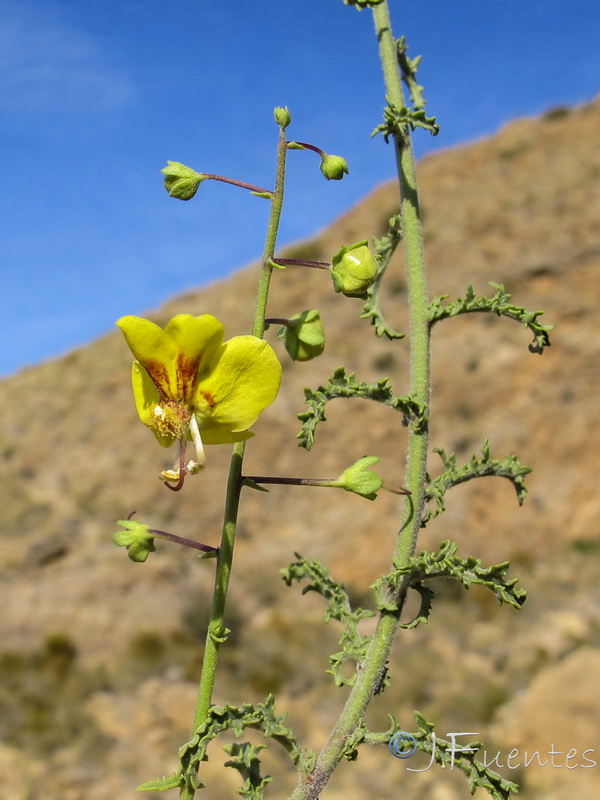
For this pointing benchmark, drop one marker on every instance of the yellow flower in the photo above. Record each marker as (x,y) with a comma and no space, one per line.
(190,385)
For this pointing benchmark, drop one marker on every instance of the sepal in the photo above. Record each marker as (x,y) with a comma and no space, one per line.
(137,538)
(180,181)
(303,336)
(334,167)
(359,480)
(282,116)
(353,270)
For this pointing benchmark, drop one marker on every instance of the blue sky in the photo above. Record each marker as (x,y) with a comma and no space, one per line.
(96,96)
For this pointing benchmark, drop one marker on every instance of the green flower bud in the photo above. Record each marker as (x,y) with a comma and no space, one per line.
(334,167)
(180,181)
(353,269)
(136,538)
(356,478)
(303,336)
(282,116)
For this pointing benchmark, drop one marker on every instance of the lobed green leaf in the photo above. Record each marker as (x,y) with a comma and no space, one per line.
(244,758)
(342,385)
(259,716)
(408,68)
(497,304)
(446,754)
(509,467)
(353,645)
(396,120)
(384,248)
(468,571)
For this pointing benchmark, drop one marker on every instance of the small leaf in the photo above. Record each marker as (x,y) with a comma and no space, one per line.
(218,633)
(251,484)
(162,784)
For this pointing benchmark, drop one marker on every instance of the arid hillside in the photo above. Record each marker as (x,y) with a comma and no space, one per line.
(99,656)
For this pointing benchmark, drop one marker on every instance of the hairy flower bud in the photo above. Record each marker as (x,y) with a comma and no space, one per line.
(353,269)
(359,480)
(180,181)
(334,167)
(303,336)
(282,116)
(137,538)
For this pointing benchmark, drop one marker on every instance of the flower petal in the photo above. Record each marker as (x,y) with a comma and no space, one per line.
(152,348)
(147,401)
(198,339)
(174,356)
(243,380)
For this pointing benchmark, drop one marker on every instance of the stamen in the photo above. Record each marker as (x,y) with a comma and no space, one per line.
(200,461)
(176,474)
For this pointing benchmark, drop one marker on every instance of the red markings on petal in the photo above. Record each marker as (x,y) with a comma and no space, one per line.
(160,377)
(187,376)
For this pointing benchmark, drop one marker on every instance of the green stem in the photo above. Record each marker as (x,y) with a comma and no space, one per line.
(214,635)
(266,269)
(372,669)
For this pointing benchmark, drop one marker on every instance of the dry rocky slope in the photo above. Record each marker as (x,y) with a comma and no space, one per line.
(98,656)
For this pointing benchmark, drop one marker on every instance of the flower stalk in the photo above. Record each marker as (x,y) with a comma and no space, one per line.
(216,631)
(372,669)
(301,262)
(235,182)
(171,537)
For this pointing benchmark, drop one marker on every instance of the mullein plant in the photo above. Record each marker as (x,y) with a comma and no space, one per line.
(192,388)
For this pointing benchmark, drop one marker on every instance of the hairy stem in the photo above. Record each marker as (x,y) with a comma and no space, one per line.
(242,184)
(326,482)
(302,262)
(171,537)
(372,669)
(215,635)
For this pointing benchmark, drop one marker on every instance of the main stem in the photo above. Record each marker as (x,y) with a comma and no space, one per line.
(371,671)
(215,634)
